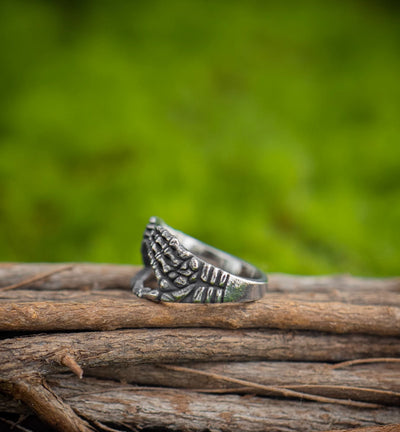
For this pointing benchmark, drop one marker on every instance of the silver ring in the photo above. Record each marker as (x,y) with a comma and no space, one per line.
(179,268)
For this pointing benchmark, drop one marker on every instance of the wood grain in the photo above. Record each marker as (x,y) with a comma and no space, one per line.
(118,404)
(183,366)
(105,312)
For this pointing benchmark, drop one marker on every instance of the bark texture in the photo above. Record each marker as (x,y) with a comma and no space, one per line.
(268,365)
(127,311)
(363,383)
(185,410)
(45,352)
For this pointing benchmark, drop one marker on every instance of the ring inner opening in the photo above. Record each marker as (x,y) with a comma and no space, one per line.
(218,258)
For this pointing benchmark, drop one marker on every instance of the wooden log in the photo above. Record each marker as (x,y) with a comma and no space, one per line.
(44,352)
(367,297)
(121,404)
(107,314)
(345,282)
(377,383)
(79,276)
(36,394)
(75,276)
(89,278)
(42,297)
(131,312)
(386,428)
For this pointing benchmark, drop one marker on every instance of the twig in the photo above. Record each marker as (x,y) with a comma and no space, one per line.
(68,361)
(35,393)
(36,278)
(102,426)
(186,410)
(14,425)
(374,383)
(106,314)
(98,298)
(118,276)
(101,349)
(386,428)
(365,361)
(277,390)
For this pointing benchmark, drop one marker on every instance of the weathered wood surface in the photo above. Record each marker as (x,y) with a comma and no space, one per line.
(386,428)
(282,348)
(111,313)
(41,352)
(78,277)
(105,276)
(105,314)
(363,383)
(35,393)
(87,280)
(185,410)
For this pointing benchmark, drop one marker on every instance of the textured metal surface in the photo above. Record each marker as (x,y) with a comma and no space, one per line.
(189,271)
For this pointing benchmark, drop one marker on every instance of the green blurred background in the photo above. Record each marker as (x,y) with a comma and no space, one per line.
(268,129)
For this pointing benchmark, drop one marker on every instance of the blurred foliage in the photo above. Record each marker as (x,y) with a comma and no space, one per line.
(268,129)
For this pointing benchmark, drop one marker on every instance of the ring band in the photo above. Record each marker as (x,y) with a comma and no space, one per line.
(189,271)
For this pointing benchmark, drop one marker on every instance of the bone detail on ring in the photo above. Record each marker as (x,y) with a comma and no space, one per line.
(179,268)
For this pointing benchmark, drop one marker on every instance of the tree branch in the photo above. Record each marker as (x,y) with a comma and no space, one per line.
(369,383)
(386,428)
(127,311)
(117,404)
(326,313)
(93,349)
(108,314)
(36,394)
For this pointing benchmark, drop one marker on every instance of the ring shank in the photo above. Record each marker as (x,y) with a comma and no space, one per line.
(218,258)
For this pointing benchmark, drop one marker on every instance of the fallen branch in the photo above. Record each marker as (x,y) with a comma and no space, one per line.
(137,313)
(36,278)
(90,281)
(116,404)
(98,349)
(131,312)
(370,383)
(41,297)
(35,393)
(112,276)
(386,428)
(14,425)
(271,390)
(78,277)
(365,361)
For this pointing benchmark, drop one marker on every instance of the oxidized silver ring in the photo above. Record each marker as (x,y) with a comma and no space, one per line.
(179,268)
